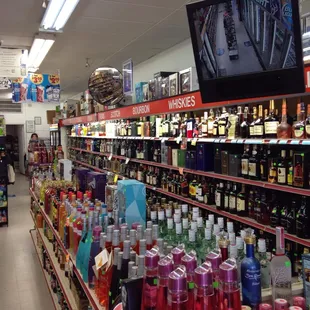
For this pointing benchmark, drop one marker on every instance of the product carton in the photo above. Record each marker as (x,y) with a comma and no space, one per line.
(139,91)
(96,182)
(131,201)
(81,179)
(110,195)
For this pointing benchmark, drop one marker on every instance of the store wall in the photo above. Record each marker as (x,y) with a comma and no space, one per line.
(176,58)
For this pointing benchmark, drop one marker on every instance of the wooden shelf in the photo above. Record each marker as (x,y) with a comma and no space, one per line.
(244,220)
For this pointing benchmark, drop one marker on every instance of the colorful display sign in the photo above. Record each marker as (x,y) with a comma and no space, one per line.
(36,88)
(13,62)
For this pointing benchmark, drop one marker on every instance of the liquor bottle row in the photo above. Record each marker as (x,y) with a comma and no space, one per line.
(236,122)
(266,163)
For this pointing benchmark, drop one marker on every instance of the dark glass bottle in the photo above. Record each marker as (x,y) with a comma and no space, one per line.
(275,216)
(219,197)
(226,197)
(251,204)
(282,169)
(254,167)
(291,218)
(215,124)
(251,126)
(259,124)
(265,208)
(284,212)
(245,162)
(242,207)
(271,123)
(264,164)
(233,199)
(257,206)
(244,126)
(303,219)
(290,169)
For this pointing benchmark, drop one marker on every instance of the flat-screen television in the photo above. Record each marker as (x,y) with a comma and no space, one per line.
(246,48)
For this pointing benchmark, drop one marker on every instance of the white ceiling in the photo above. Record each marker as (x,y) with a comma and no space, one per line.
(106,31)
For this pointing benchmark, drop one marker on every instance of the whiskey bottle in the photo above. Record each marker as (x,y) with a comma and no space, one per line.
(244,126)
(204,126)
(184,126)
(219,196)
(303,219)
(252,124)
(254,167)
(251,204)
(291,218)
(241,202)
(222,123)
(308,122)
(226,197)
(284,130)
(233,199)
(271,123)
(233,125)
(175,126)
(245,162)
(210,123)
(264,164)
(259,124)
(282,169)
(215,132)
(299,126)
(272,175)
(290,169)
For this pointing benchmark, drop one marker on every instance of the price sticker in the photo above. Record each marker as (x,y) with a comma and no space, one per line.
(127,160)
(36,78)
(53,79)
(115,178)
(181,170)
(110,157)
(194,142)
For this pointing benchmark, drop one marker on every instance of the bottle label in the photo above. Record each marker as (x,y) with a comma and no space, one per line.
(282,175)
(139,175)
(178,228)
(299,132)
(290,177)
(245,166)
(170,223)
(204,128)
(191,236)
(222,130)
(251,131)
(232,202)
(251,282)
(168,212)
(153,215)
(271,127)
(161,215)
(258,130)
(214,131)
(240,204)
(218,199)
(252,169)
(185,223)
(308,129)
(189,126)
(226,202)
(210,127)
(139,130)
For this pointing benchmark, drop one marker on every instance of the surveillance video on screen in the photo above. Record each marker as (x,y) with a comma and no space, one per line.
(245,36)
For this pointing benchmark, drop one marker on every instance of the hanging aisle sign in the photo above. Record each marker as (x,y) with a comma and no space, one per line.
(36,88)
(13,62)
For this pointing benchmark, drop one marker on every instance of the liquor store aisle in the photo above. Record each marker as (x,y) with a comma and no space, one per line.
(22,283)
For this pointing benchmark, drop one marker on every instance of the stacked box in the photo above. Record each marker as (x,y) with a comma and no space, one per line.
(96,182)
(81,178)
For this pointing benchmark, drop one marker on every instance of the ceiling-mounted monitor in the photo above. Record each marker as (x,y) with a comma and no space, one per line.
(246,48)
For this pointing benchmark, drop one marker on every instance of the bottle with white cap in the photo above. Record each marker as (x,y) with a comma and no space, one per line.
(230,227)
(211,218)
(207,245)
(220,222)
(264,263)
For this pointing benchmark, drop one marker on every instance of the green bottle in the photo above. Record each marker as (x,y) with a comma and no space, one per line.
(185,231)
(169,238)
(162,224)
(178,234)
(200,231)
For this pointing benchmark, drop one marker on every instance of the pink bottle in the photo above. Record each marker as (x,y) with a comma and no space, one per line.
(165,266)
(177,290)
(265,307)
(295,308)
(149,291)
(281,304)
(229,292)
(177,253)
(189,260)
(204,291)
(300,302)
(215,258)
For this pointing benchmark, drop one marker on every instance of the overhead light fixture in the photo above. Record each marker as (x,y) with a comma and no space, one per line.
(44,4)
(38,51)
(57,14)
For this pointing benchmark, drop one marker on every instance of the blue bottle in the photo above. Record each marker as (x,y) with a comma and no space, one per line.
(94,251)
(86,252)
(80,250)
(251,276)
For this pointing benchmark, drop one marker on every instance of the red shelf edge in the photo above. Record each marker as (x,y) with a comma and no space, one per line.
(282,188)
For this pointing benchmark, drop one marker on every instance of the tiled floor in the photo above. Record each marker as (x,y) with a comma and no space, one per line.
(22,284)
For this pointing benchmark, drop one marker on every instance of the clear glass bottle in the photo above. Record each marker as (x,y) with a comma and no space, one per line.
(284,130)
(264,263)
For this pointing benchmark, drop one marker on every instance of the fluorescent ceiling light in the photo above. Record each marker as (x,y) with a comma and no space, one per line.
(38,51)
(57,14)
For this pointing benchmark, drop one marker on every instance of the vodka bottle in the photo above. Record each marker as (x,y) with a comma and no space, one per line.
(281,271)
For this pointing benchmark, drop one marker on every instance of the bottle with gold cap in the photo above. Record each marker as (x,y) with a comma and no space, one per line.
(251,275)
(271,123)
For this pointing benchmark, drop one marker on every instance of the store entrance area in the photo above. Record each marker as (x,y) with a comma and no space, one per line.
(22,285)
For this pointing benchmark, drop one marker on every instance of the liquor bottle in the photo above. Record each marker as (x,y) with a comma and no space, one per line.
(204,292)
(177,290)
(233,199)
(291,218)
(215,132)
(273,171)
(251,276)
(149,291)
(165,267)
(175,126)
(196,128)
(290,169)
(226,197)
(207,244)
(210,123)
(251,205)
(264,264)
(183,126)
(222,123)
(254,167)
(233,125)
(308,122)
(271,123)
(299,126)
(219,196)
(244,126)
(245,162)
(204,125)
(169,238)
(189,260)
(125,260)
(190,126)
(94,251)
(114,286)
(280,269)
(303,219)
(252,124)
(284,130)
(259,124)
(264,164)
(229,292)
(282,169)
(242,207)
(223,243)
(265,209)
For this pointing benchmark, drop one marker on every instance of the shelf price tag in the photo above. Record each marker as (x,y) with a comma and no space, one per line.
(194,142)
(127,160)
(110,157)
(115,178)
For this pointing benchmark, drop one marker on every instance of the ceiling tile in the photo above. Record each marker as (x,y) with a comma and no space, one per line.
(156,3)
(178,18)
